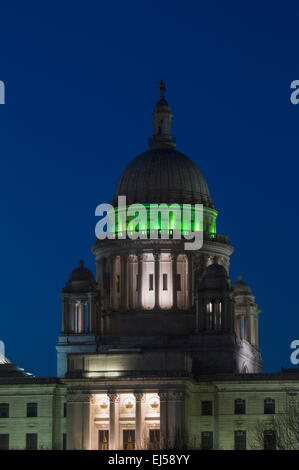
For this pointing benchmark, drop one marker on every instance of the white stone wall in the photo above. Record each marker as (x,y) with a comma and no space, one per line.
(224,422)
(49,423)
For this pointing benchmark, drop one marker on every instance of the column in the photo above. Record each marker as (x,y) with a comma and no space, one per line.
(189,284)
(247,327)
(130,283)
(174,281)
(123,290)
(78,421)
(111,281)
(243,326)
(73,417)
(176,420)
(93,431)
(194,285)
(65,316)
(98,271)
(140,280)
(157,279)
(113,420)
(86,423)
(73,314)
(197,314)
(81,317)
(77,317)
(103,282)
(163,420)
(139,421)
(91,327)
(256,331)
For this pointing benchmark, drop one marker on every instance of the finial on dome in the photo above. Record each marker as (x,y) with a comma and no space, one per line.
(239,277)
(162,137)
(162,88)
(81,262)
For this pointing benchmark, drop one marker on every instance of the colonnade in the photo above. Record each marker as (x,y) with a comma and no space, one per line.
(147,280)
(82,425)
(246,327)
(78,314)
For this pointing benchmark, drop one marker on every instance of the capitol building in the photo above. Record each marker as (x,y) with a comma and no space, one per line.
(160,348)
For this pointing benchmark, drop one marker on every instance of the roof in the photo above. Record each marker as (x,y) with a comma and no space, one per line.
(163,175)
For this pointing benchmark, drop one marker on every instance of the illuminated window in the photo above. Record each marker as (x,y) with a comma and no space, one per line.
(240,407)
(207,440)
(206,408)
(129,439)
(240,440)
(178,282)
(4,410)
(269,406)
(4,441)
(103,439)
(151,282)
(31,410)
(164,281)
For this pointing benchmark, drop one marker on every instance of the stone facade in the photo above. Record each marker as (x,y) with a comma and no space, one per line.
(159,350)
(169,407)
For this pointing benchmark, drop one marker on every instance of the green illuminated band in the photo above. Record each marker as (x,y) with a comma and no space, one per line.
(175,220)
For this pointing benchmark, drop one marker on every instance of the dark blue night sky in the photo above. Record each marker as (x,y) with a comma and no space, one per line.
(80,90)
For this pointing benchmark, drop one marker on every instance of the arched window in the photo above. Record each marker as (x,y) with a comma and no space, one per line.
(269,406)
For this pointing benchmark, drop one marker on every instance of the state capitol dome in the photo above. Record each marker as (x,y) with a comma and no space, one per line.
(162,174)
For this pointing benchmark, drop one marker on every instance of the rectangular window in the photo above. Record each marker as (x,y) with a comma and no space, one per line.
(64,441)
(31,441)
(178,282)
(269,440)
(240,440)
(129,439)
(206,408)
(240,407)
(4,410)
(269,406)
(31,410)
(154,439)
(65,410)
(4,441)
(137,282)
(103,439)
(207,440)
(151,282)
(164,281)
